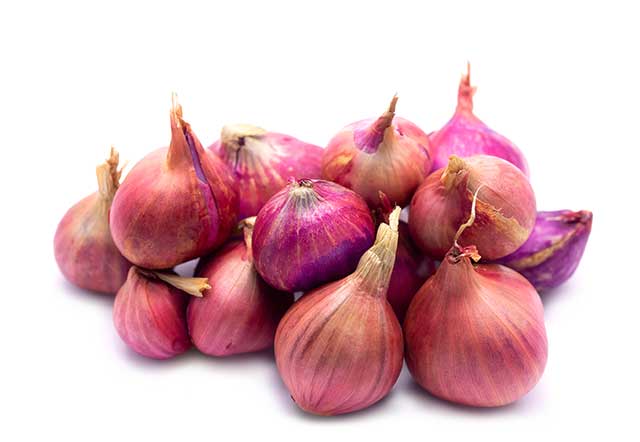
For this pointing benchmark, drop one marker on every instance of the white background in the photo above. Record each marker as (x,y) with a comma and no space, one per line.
(561,80)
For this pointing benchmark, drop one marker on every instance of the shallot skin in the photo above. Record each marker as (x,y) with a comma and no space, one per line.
(309,233)
(176,204)
(466,135)
(505,214)
(410,271)
(262,163)
(84,249)
(329,372)
(150,317)
(240,312)
(475,335)
(388,154)
(553,251)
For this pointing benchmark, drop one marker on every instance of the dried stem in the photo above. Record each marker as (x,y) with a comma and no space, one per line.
(192,286)
(109,176)
(247,226)
(385,120)
(374,269)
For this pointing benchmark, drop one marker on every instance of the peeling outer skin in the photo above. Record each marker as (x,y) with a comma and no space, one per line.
(466,135)
(150,317)
(553,251)
(262,163)
(85,251)
(395,160)
(505,210)
(240,312)
(475,334)
(306,236)
(176,204)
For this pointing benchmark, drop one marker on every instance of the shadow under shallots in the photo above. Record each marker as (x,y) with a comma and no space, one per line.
(550,296)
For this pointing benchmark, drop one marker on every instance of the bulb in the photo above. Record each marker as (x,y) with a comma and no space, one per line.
(149,312)
(309,233)
(240,312)
(553,251)
(475,333)
(506,207)
(84,249)
(339,348)
(262,163)
(176,204)
(465,135)
(388,154)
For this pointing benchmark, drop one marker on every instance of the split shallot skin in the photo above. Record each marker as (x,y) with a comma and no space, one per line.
(149,312)
(339,348)
(176,204)
(240,312)
(309,233)
(475,334)
(553,251)
(465,135)
(388,154)
(83,247)
(506,209)
(262,163)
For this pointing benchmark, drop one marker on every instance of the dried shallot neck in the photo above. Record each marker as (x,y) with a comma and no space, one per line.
(385,120)
(454,170)
(109,177)
(374,269)
(233,135)
(302,194)
(247,226)
(466,92)
(192,286)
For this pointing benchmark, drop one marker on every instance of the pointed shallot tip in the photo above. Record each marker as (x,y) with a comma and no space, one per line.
(392,105)
(176,110)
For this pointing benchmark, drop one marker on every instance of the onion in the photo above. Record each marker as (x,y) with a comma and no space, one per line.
(553,251)
(339,348)
(388,154)
(240,312)
(475,334)
(84,249)
(309,233)
(149,312)
(506,207)
(465,135)
(176,204)
(262,163)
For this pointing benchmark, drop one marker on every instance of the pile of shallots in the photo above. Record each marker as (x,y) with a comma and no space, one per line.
(453,291)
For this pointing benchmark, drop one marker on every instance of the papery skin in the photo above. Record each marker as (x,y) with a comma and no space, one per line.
(176,204)
(150,317)
(388,154)
(339,348)
(240,312)
(465,135)
(83,247)
(410,271)
(505,215)
(309,233)
(475,335)
(553,251)
(262,163)
(84,250)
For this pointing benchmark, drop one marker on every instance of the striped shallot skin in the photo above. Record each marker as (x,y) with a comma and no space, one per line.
(310,233)
(150,317)
(475,335)
(339,348)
